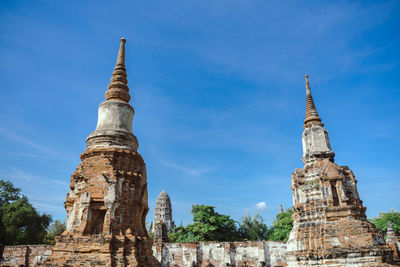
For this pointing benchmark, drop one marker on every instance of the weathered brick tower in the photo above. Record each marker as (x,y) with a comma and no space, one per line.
(330,226)
(107,204)
(163,213)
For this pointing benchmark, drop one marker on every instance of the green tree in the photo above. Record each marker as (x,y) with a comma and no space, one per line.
(253,229)
(208,225)
(56,228)
(23,224)
(381,221)
(281,227)
(8,192)
(180,234)
(20,223)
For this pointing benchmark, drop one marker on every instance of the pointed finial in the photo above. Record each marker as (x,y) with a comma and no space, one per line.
(118,88)
(311,112)
(307,85)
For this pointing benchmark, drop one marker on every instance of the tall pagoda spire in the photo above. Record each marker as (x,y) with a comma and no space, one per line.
(107,202)
(115,115)
(311,112)
(330,226)
(118,88)
(315,137)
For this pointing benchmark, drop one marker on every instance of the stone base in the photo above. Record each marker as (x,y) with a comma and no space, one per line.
(345,242)
(352,260)
(98,250)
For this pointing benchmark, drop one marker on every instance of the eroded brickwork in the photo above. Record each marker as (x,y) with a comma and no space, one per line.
(28,255)
(237,254)
(329,219)
(107,202)
(393,241)
(106,209)
(107,206)
(330,226)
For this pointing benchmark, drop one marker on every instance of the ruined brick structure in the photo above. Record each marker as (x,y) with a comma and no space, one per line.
(393,241)
(24,255)
(330,226)
(251,253)
(206,254)
(163,213)
(391,235)
(107,202)
(107,206)
(160,233)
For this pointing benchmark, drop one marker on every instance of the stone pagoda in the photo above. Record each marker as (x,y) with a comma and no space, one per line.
(107,202)
(330,227)
(162,213)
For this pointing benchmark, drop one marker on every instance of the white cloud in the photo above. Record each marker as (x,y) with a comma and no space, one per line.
(261,206)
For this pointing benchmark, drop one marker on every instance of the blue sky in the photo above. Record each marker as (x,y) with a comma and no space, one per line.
(219,94)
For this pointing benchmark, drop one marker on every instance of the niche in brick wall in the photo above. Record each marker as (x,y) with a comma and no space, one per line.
(334,194)
(95,221)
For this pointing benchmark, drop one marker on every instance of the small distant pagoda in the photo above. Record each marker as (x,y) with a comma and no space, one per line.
(107,202)
(330,226)
(162,214)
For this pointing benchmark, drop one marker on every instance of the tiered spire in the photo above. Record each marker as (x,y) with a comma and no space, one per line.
(115,115)
(118,88)
(311,112)
(315,137)
(163,213)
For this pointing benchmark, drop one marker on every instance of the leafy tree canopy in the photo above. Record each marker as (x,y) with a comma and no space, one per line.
(208,225)
(20,223)
(281,227)
(381,221)
(253,229)
(8,192)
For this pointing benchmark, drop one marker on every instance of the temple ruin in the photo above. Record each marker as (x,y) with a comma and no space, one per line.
(107,206)
(330,227)
(393,241)
(107,202)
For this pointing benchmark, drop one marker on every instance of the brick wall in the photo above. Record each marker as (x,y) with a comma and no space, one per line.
(175,254)
(178,254)
(237,254)
(27,255)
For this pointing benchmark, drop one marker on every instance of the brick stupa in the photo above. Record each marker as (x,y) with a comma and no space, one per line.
(107,202)
(330,226)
